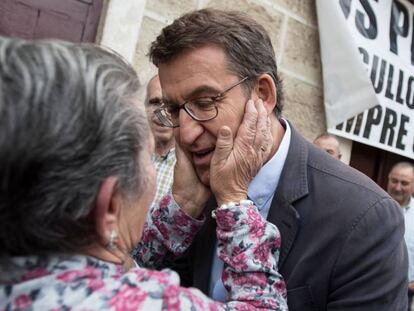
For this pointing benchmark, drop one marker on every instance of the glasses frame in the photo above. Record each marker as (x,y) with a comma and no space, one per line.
(162,111)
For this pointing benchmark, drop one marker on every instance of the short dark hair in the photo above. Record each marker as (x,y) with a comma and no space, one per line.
(245,42)
(68,120)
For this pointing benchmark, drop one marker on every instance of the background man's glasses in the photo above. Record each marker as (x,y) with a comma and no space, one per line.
(200,109)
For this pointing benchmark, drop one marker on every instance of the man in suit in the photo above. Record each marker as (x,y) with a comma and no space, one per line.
(342,236)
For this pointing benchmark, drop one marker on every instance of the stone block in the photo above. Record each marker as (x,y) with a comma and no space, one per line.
(304,9)
(150,29)
(268,17)
(301,53)
(304,106)
(171,9)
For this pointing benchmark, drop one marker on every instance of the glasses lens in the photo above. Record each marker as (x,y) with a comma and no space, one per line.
(202,109)
(164,117)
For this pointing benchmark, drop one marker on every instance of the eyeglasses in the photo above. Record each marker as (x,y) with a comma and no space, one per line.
(200,109)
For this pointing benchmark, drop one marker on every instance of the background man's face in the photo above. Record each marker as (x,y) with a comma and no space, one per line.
(401,184)
(201,73)
(161,133)
(330,145)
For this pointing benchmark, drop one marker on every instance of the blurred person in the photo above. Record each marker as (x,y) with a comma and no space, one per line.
(211,63)
(330,144)
(400,187)
(164,156)
(76,181)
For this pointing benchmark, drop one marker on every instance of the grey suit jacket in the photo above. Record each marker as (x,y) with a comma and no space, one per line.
(342,237)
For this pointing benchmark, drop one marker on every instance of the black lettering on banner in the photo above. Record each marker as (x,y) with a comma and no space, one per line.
(410,93)
(371,31)
(365,55)
(390,79)
(399,99)
(358,124)
(373,118)
(394,91)
(398,10)
(412,44)
(349,124)
(346,7)
(402,132)
(374,71)
(390,121)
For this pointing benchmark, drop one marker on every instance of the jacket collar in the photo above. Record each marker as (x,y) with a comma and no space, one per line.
(293,185)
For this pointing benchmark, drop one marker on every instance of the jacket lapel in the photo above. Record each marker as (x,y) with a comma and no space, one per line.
(293,185)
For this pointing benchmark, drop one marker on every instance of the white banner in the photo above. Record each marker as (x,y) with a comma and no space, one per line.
(367,49)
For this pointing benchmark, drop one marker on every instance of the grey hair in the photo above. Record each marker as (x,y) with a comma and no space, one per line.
(68,121)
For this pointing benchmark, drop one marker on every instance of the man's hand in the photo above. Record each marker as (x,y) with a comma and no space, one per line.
(235,163)
(188,191)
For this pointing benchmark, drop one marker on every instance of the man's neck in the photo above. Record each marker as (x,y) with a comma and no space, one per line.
(405,203)
(277,133)
(162,148)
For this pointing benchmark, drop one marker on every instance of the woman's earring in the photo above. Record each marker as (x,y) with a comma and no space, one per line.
(113,240)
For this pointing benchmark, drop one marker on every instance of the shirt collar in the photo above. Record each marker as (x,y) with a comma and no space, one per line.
(409,205)
(160,158)
(264,184)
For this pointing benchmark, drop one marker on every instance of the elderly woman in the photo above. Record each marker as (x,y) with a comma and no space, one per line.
(76,181)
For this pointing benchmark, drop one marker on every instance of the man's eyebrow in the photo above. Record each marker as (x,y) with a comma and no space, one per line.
(194,94)
(155,100)
(202,89)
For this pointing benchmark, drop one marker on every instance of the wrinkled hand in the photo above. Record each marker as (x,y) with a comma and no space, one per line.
(188,191)
(236,162)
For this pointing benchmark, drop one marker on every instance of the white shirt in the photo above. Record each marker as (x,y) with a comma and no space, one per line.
(409,237)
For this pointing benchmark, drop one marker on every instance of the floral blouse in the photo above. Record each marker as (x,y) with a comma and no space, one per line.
(75,282)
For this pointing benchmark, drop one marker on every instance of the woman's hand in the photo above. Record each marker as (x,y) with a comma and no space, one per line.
(188,191)
(236,162)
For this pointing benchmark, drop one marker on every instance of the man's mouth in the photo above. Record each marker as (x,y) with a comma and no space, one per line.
(202,157)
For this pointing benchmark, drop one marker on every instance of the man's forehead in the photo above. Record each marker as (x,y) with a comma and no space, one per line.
(329,140)
(403,173)
(203,65)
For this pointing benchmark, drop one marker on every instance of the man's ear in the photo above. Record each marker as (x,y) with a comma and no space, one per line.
(265,89)
(107,209)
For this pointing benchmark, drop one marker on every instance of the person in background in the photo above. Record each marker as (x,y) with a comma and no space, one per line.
(342,236)
(164,156)
(330,144)
(400,187)
(76,181)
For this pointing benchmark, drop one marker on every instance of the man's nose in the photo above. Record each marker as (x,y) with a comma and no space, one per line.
(190,129)
(398,186)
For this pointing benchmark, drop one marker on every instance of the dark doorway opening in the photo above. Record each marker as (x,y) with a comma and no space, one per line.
(373,162)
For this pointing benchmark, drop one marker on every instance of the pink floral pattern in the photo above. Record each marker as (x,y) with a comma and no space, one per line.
(168,229)
(62,282)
